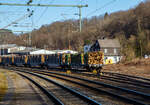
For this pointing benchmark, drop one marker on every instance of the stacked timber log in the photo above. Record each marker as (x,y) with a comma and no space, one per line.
(95,57)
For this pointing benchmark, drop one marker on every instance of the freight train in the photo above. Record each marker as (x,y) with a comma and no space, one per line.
(89,61)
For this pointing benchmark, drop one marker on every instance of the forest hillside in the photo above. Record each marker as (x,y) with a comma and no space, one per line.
(131,27)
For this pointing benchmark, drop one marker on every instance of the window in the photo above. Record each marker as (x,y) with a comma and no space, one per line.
(105,50)
(115,51)
(115,59)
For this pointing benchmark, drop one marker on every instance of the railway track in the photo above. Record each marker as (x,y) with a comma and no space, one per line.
(133,82)
(127,95)
(74,97)
(131,96)
(118,80)
(134,78)
(137,80)
(142,84)
(47,93)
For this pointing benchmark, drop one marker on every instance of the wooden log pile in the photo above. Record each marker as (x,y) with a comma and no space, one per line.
(95,57)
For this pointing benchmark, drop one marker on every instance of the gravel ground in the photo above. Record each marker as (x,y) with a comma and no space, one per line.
(22,92)
(9,95)
(66,97)
(21,85)
(101,98)
(3,87)
(136,67)
(135,70)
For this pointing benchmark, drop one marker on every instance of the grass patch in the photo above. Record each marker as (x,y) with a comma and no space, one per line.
(3,85)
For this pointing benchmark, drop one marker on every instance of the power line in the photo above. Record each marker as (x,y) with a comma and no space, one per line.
(44,12)
(23,17)
(34,9)
(79,3)
(101,7)
(47,5)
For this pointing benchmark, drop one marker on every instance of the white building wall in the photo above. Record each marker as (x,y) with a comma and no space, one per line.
(21,48)
(41,52)
(9,50)
(18,48)
(115,59)
(65,51)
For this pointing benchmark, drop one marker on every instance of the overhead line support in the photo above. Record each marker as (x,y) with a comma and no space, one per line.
(46,5)
(43,5)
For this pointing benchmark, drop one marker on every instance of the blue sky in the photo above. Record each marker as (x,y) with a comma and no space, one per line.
(47,15)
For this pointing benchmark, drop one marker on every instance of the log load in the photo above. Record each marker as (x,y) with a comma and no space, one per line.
(95,57)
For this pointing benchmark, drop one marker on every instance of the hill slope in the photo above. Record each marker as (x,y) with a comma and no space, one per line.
(132,27)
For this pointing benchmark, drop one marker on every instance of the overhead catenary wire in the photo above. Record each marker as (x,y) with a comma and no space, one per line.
(44,5)
(8,15)
(32,17)
(20,20)
(79,3)
(44,12)
(94,11)
(23,17)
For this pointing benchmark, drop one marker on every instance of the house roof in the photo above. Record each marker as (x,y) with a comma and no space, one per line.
(7,45)
(42,51)
(65,51)
(26,50)
(109,43)
(34,51)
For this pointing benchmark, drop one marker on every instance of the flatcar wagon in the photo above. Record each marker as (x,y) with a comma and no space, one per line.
(89,61)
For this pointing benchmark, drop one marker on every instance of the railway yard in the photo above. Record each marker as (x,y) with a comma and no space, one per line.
(75,52)
(34,86)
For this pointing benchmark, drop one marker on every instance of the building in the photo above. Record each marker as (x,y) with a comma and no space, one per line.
(5,48)
(7,45)
(41,51)
(16,48)
(65,51)
(111,49)
(9,49)
(33,51)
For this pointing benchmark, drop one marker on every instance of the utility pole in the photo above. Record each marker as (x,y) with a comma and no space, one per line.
(141,48)
(30,40)
(80,19)
(46,5)
(68,32)
(140,36)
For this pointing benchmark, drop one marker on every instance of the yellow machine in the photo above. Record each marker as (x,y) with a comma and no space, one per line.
(109,61)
